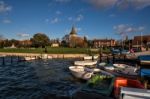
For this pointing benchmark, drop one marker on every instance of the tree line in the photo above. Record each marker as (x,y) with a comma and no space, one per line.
(42,40)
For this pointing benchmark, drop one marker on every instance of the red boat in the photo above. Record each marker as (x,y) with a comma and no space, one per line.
(124,82)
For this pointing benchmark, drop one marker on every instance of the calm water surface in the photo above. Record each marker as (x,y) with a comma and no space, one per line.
(37,79)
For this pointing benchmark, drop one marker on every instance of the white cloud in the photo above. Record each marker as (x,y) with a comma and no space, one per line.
(139,4)
(23,35)
(124,29)
(103,3)
(112,15)
(47,20)
(79,17)
(6,21)
(123,4)
(78,29)
(70,18)
(58,12)
(55,20)
(4,7)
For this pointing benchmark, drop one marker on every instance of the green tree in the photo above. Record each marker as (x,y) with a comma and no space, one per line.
(40,40)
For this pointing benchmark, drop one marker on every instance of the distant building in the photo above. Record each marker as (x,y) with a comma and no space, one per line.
(73,40)
(25,42)
(141,40)
(13,46)
(104,42)
(73,32)
(55,45)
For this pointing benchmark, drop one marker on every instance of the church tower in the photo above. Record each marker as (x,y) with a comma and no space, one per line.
(73,32)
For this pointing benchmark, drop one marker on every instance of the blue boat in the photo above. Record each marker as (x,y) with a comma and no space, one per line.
(144,60)
(145,72)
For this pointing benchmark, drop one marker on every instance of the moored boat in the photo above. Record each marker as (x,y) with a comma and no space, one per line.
(101,84)
(85,63)
(120,65)
(80,72)
(95,57)
(29,58)
(102,64)
(134,93)
(87,57)
(144,60)
(124,82)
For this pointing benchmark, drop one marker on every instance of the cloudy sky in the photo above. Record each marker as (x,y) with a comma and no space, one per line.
(20,19)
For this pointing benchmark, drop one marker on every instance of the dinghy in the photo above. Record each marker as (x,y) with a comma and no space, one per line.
(102,64)
(109,68)
(144,59)
(87,57)
(124,82)
(85,63)
(95,57)
(101,84)
(134,93)
(29,58)
(120,65)
(80,72)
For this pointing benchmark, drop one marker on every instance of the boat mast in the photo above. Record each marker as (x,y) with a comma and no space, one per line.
(141,39)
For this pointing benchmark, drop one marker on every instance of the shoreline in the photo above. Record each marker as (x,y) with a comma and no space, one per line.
(58,55)
(43,55)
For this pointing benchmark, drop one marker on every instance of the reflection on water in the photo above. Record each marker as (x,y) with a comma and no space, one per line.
(37,79)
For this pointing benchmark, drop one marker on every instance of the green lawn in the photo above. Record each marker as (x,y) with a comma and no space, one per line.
(50,50)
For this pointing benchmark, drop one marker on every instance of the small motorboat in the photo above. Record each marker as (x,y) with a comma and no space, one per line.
(80,72)
(85,63)
(144,59)
(124,82)
(120,65)
(102,64)
(95,57)
(109,68)
(87,57)
(95,70)
(100,83)
(134,93)
(29,58)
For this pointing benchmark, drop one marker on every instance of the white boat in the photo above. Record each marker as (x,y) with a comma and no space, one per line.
(102,64)
(94,70)
(120,65)
(80,72)
(29,58)
(85,63)
(95,57)
(87,57)
(134,93)
(109,68)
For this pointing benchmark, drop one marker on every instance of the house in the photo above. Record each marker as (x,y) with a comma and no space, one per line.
(55,45)
(104,42)
(141,40)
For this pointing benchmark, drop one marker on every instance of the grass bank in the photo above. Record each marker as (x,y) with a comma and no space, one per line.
(59,50)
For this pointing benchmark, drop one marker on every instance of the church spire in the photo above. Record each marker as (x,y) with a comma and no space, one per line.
(73,31)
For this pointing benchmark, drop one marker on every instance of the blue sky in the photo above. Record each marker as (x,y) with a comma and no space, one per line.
(21,19)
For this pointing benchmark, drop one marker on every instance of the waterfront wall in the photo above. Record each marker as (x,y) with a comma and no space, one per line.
(45,55)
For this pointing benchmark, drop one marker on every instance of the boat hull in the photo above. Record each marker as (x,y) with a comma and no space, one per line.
(79,72)
(85,63)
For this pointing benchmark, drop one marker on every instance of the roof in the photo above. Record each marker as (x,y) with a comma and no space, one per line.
(73,31)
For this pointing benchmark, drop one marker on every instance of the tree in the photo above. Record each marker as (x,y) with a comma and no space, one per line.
(40,40)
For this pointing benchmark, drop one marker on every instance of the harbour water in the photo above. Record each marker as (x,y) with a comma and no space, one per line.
(37,79)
